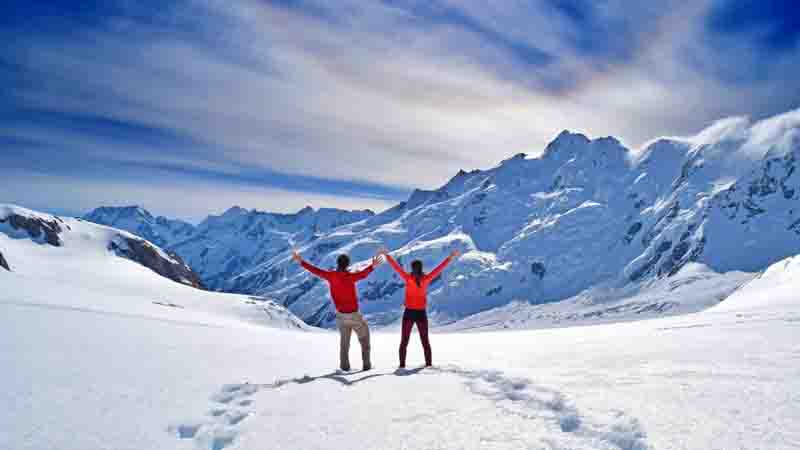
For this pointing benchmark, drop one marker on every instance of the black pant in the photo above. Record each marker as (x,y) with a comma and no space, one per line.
(411,317)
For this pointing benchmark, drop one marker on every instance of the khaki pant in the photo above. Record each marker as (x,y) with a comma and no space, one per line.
(347,323)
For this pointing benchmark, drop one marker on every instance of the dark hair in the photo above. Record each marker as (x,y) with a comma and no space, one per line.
(416,271)
(342,262)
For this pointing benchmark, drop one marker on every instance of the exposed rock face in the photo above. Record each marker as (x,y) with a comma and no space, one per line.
(37,227)
(538,268)
(144,253)
(4,263)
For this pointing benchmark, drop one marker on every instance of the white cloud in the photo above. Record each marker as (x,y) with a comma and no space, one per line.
(377,95)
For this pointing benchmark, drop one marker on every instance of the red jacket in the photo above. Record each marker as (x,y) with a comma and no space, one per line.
(416,294)
(342,284)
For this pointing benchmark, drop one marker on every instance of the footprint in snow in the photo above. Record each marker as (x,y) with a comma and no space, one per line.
(512,395)
(220,428)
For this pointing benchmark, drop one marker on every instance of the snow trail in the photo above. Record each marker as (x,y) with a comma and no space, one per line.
(220,428)
(514,396)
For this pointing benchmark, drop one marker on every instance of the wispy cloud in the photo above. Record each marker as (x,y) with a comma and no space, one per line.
(384,96)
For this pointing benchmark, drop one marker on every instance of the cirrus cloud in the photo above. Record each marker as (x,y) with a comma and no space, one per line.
(363,101)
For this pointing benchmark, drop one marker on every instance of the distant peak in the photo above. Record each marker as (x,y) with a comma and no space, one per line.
(567,137)
(609,140)
(566,142)
(420,196)
(306,210)
(234,211)
(345,211)
(139,210)
(121,211)
(135,208)
(517,157)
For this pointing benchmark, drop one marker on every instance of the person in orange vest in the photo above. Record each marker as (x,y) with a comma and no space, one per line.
(416,301)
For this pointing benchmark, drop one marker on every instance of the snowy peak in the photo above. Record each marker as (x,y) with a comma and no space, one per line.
(121,212)
(317,220)
(568,145)
(513,159)
(137,220)
(231,213)
(456,184)
(565,144)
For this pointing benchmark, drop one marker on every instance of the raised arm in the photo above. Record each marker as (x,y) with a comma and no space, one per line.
(360,275)
(314,269)
(310,267)
(396,266)
(435,272)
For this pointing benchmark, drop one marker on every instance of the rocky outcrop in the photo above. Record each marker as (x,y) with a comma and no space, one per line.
(3,262)
(169,266)
(37,227)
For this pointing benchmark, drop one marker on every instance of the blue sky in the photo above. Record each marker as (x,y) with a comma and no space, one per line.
(189,107)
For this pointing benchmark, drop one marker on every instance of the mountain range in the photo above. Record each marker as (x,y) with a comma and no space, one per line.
(588,221)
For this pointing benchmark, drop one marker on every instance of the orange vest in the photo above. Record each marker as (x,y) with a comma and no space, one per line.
(416,294)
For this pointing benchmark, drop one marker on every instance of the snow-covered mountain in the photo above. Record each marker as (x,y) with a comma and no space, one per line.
(587,216)
(71,262)
(158,230)
(589,221)
(225,246)
(222,247)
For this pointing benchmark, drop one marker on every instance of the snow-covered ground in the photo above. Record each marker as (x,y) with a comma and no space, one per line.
(83,274)
(693,289)
(96,358)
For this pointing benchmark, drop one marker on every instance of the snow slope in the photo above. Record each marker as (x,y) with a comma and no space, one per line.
(106,368)
(84,273)
(693,289)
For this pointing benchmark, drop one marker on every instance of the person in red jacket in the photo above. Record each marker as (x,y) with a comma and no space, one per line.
(417,283)
(343,292)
